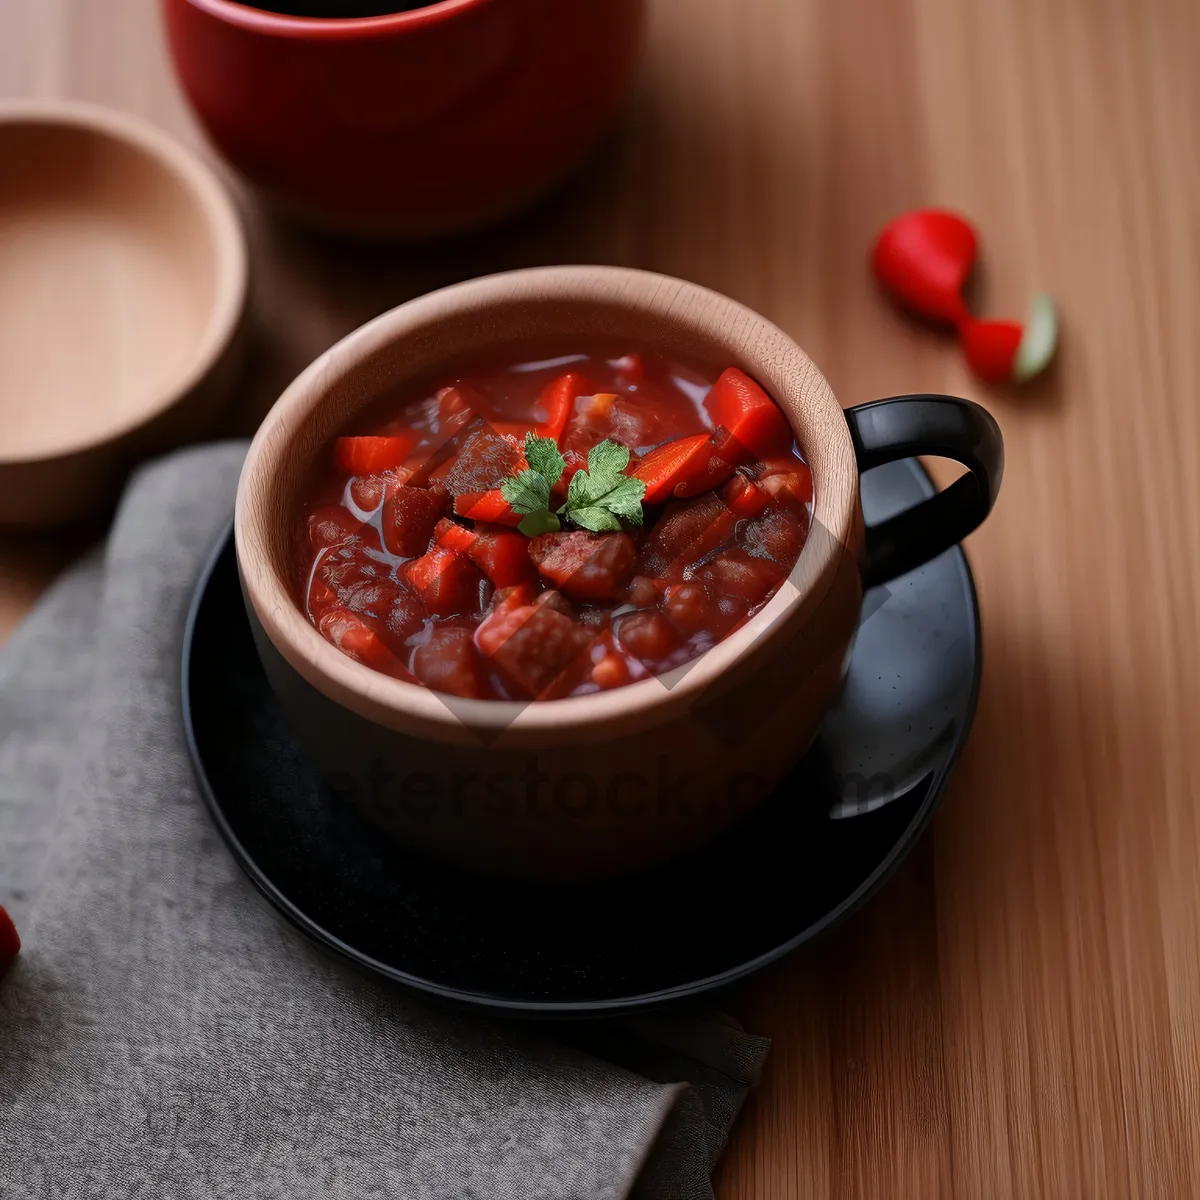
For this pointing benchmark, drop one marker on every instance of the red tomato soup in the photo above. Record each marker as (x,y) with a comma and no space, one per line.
(411,560)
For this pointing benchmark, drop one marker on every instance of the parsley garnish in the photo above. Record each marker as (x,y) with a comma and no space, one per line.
(598,499)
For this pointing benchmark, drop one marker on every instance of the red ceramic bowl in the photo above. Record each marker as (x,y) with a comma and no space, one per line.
(410,125)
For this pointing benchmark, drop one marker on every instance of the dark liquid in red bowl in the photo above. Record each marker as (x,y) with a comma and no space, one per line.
(409,560)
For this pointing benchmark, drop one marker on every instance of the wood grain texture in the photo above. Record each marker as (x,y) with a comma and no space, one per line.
(1019,1014)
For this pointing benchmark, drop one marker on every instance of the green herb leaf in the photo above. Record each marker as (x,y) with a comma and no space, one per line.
(543,456)
(625,499)
(596,518)
(539,522)
(607,460)
(598,499)
(604,486)
(527,492)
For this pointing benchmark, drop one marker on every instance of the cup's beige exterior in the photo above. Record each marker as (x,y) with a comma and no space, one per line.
(593,785)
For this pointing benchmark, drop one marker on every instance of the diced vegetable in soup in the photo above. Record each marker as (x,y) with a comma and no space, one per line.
(538,526)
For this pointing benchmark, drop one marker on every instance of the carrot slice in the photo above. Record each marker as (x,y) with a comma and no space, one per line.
(750,415)
(725,454)
(486,506)
(672,464)
(370,455)
(558,401)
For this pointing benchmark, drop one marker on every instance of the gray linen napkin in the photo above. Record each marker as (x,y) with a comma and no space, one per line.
(162,1035)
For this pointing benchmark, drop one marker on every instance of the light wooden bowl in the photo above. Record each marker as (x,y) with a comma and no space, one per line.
(123,276)
(587,786)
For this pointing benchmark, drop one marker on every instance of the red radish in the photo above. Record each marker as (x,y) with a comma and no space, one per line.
(1008,352)
(10,943)
(370,455)
(990,347)
(923,258)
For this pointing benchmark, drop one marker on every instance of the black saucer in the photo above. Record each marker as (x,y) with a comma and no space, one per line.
(880,764)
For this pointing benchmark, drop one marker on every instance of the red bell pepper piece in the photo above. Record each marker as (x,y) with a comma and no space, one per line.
(453,536)
(489,506)
(518,596)
(502,556)
(752,418)
(447,582)
(10,943)
(370,455)
(354,635)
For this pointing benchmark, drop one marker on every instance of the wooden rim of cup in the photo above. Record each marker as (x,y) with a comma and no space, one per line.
(410,341)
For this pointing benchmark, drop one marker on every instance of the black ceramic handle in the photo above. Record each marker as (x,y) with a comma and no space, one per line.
(902,427)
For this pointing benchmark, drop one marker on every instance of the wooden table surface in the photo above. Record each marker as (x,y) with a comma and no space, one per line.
(1019,1013)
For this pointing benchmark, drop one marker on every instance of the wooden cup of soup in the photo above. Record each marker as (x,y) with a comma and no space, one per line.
(555,572)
